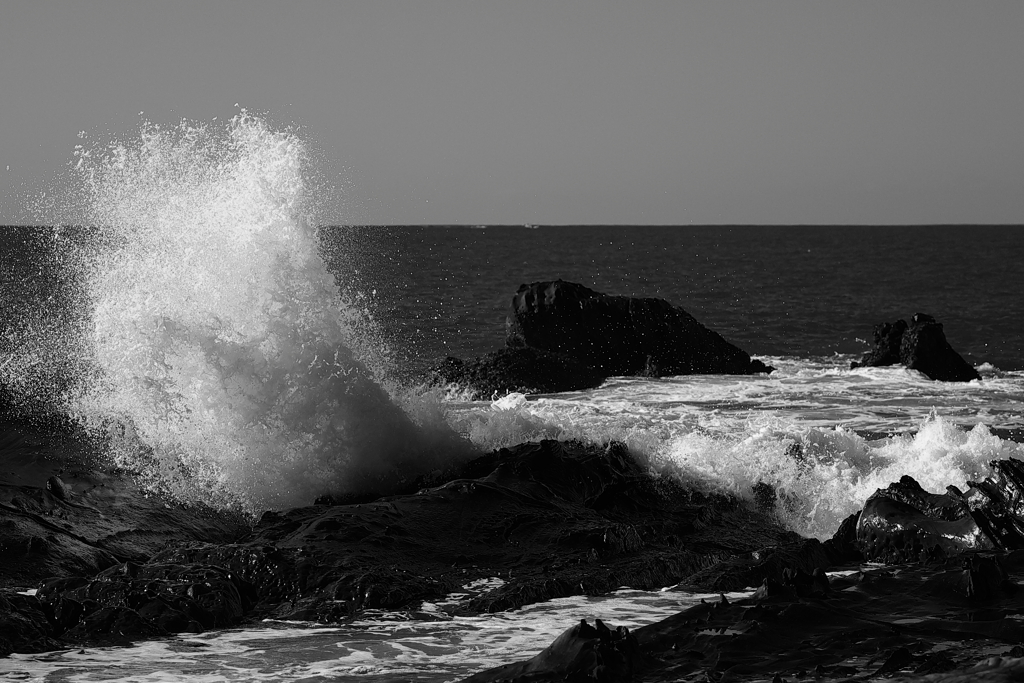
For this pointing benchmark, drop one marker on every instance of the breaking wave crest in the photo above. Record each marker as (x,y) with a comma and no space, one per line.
(226,365)
(817,475)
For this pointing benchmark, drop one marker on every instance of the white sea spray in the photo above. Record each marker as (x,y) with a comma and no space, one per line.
(227,364)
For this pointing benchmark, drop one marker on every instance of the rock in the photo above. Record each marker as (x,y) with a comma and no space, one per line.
(905,523)
(24,626)
(888,340)
(550,519)
(842,547)
(876,622)
(522,370)
(62,516)
(620,335)
(919,346)
(583,653)
(131,601)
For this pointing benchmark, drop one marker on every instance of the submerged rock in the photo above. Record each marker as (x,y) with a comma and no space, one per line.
(620,335)
(919,346)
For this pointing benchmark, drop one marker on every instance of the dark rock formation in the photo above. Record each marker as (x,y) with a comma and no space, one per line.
(548,519)
(524,370)
(941,616)
(919,346)
(904,523)
(620,335)
(583,653)
(941,620)
(561,336)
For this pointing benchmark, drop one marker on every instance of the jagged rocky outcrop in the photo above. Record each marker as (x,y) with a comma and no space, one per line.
(538,521)
(562,336)
(921,346)
(905,523)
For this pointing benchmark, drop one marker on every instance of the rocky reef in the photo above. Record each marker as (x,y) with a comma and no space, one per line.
(947,605)
(921,346)
(549,519)
(562,336)
(111,563)
(524,370)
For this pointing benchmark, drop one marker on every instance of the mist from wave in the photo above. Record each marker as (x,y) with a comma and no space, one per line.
(213,353)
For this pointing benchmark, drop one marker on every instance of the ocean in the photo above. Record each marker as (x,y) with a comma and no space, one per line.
(257,359)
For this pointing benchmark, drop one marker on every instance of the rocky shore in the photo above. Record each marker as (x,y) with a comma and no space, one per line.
(550,519)
(88,557)
(110,563)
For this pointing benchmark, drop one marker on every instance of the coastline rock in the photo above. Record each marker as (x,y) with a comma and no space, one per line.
(522,370)
(530,523)
(919,346)
(620,335)
(920,622)
(905,523)
(583,653)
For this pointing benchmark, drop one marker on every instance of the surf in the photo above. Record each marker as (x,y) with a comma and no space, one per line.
(215,356)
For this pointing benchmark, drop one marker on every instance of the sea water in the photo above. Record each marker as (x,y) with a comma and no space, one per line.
(224,344)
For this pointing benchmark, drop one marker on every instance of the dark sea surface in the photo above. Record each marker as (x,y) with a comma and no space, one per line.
(772,290)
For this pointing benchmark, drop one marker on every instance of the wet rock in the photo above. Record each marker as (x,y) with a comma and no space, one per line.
(842,547)
(905,523)
(522,370)
(921,346)
(24,626)
(583,653)
(877,622)
(620,335)
(132,601)
(551,519)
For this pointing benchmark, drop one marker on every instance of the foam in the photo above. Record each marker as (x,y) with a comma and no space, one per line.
(227,366)
(823,436)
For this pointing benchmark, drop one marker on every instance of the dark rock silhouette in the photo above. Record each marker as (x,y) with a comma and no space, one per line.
(905,523)
(523,370)
(919,346)
(583,653)
(620,335)
(562,336)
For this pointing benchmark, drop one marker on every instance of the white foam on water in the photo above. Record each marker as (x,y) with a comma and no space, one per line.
(374,648)
(226,364)
(823,436)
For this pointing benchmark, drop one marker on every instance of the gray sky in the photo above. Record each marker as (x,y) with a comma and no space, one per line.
(514,111)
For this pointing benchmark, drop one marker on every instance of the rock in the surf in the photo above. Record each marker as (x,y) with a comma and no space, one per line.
(620,335)
(534,522)
(583,653)
(923,622)
(522,370)
(905,523)
(921,346)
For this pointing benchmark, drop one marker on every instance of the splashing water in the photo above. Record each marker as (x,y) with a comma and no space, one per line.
(822,437)
(226,365)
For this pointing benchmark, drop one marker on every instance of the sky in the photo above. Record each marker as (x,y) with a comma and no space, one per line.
(555,112)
